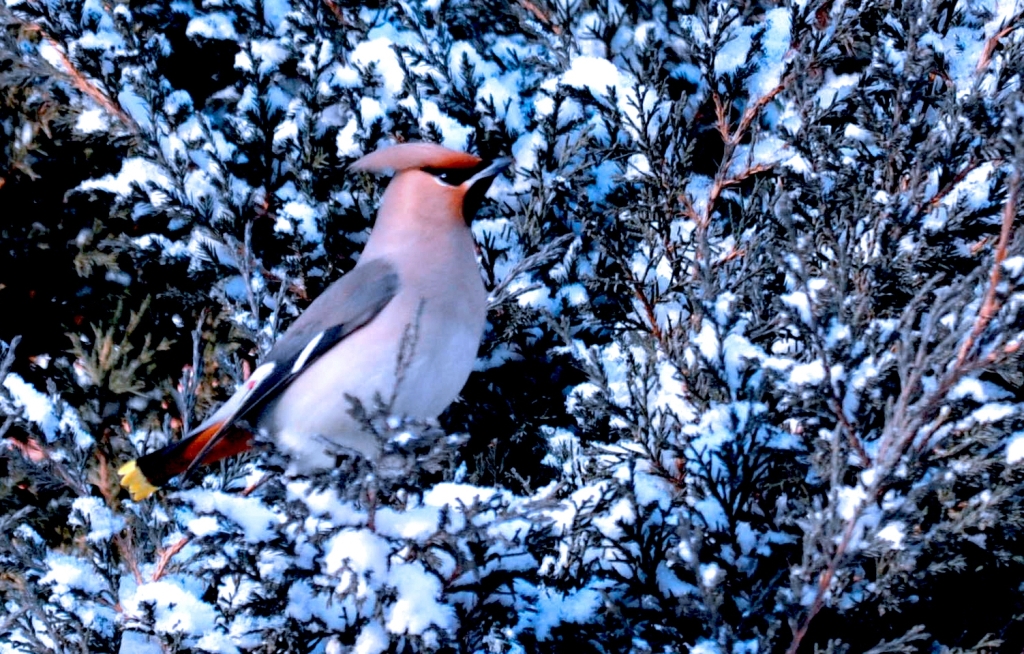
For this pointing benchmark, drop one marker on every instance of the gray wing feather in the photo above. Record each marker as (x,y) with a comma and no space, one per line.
(351,301)
(346,305)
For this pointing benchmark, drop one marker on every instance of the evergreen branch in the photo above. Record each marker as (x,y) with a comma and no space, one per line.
(84,84)
(993,42)
(541,16)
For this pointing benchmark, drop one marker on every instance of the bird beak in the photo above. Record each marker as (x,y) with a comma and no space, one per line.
(494,169)
(477,185)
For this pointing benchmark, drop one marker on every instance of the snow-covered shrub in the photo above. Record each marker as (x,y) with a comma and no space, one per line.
(751,380)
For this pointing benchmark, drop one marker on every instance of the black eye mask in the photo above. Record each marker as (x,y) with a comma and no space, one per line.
(484,172)
(456,176)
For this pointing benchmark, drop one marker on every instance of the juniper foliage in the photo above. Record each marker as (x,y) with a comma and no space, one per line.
(751,378)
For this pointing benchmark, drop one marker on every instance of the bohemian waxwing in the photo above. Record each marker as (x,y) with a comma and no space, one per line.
(416,283)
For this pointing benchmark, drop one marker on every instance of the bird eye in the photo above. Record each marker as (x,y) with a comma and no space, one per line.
(453,176)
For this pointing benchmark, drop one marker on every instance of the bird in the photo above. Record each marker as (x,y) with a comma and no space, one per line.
(415,292)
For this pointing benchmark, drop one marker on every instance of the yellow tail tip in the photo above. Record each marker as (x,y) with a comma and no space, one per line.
(136,483)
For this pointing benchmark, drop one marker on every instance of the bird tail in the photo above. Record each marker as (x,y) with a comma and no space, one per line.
(145,475)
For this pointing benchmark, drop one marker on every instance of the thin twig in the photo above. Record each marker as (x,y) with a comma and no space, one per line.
(991,304)
(548,253)
(652,318)
(168,554)
(953,183)
(989,307)
(336,10)
(83,84)
(755,109)
(824,581)
(123,541)
(990,45)
(125,545)
(541,16)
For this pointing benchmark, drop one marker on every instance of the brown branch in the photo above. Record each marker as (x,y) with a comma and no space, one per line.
(824,581)
(251,488)
(125,546)
(753,110)
(993,42)
(835,404)
(734,253)
(953,183)
(652,318)
(29,448)
(541,16)
(336,10)
(731,139)
(104,478)
(688,209)
(721,117)
(83,84)
(166,556)
(124,542)
(990,304)
(298,290)
(743,175)
(989,307)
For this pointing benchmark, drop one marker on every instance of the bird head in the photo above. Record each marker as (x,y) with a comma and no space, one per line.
(429,175)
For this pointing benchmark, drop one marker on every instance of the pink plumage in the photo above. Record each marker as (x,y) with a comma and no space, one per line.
(408,156)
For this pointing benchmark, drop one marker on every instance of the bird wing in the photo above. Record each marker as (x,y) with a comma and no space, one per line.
(347,305)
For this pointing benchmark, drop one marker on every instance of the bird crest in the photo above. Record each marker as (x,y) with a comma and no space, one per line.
(410,156)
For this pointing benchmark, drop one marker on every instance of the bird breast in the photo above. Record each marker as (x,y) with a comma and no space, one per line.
(416,355)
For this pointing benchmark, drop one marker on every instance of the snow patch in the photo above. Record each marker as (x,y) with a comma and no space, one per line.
(91,512)
(1015,449)
(894,532)
(134,172)
(255,519)
(37,407)
(92,121)
(176,608)
(217,26)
